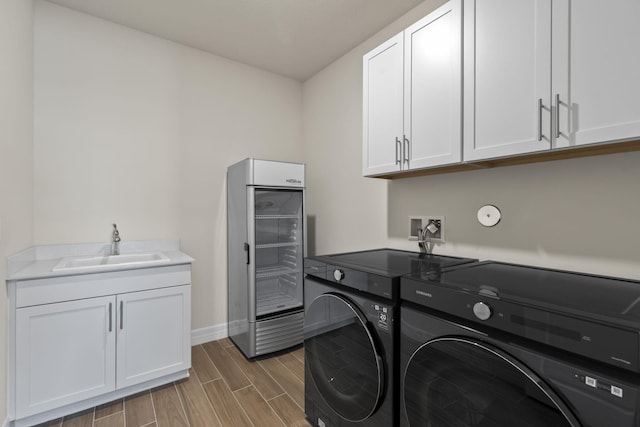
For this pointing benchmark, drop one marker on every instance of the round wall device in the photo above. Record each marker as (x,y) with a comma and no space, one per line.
(489,215)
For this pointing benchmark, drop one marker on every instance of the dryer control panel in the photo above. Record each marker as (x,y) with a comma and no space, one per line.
(613,345)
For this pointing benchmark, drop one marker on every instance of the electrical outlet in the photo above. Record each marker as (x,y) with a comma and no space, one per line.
(435,228)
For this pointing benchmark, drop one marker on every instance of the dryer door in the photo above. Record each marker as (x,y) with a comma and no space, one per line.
(458,382)
(342,355)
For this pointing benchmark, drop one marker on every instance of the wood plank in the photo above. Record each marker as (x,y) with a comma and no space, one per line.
(229,370)
(287,379)
(226,343)
(216,405)
(80,419)
(299,353)
(202,365)
(138,409)
(109,409)
(114,420)
(293,364)
(52,423)
(264,384)
(289,411)
(168,407)
(257,409)
(225,404)
(196,403)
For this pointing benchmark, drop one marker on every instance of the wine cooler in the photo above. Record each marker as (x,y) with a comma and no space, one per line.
(266,248)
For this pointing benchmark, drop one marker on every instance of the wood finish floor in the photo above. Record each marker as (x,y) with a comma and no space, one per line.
(224,389)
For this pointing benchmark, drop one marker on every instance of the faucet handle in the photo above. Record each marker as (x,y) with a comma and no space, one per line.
(116,234)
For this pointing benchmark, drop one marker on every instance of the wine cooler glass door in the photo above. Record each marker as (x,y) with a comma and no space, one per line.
(278,251)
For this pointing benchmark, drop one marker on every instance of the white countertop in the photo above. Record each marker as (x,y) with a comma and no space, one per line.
(38,262)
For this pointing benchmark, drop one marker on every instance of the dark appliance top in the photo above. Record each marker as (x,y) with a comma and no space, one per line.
(595,316)
(377,271)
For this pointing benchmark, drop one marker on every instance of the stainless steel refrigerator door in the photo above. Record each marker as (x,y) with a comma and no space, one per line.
(276,250)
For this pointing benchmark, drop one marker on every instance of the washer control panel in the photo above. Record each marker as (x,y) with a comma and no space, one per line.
(482,310)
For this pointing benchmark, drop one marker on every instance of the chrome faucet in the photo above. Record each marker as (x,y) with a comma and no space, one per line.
(424,240)
(115,241)
(422,244)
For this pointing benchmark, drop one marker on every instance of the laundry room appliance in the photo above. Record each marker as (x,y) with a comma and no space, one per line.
(265,253)
(351,334)
(502,345)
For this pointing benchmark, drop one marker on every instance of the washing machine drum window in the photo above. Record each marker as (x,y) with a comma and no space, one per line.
(342,356)
(454,382)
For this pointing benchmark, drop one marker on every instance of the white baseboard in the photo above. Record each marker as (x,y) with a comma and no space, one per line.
(5,423)
(210,333)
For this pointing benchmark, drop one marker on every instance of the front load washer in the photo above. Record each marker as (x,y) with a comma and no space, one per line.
(502,345)
(351,334)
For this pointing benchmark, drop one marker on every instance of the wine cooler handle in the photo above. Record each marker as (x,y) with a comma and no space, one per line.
(246,248)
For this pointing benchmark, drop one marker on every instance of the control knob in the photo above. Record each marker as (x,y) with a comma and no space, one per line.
(482,311)
(338,274)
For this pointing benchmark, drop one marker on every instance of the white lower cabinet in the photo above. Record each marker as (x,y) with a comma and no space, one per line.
(65,352)
(82,340)
(154,334)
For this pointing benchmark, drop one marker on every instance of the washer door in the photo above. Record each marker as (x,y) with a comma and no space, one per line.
(457,382)
(342,356)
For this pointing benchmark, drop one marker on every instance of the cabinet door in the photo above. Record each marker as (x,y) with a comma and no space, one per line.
(154,334)
(433,86)
(596,69)
(65,353)
(507,77)
(382,108)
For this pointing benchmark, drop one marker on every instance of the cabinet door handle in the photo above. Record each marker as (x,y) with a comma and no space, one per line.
(121,311)
(110,317)
(540,119)
(557,115)
(397,151)
(405,148)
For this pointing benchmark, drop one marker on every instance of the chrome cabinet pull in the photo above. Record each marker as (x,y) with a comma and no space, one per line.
(557,115)
(121,311)
(110,317)
(397,151)
(540,119)
(405,149)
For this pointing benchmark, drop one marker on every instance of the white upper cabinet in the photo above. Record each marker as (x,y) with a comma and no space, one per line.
(507,77)
(540,75)
(412,96)
(596,71)
(433,89)
(382,107)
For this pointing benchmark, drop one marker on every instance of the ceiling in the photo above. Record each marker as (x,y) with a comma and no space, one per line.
(294,38)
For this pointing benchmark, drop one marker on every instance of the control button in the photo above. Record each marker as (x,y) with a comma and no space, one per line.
(591,382)
(482,310)
(616,391)
(338,274)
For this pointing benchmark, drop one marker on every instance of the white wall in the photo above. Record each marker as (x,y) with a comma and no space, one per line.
(349,211)
(579,214)
(139,131)
(16,149)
